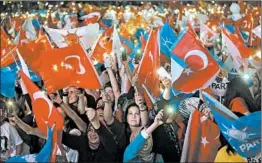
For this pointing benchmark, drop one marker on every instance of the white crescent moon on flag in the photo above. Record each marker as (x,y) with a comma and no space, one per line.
(91,15)
(199,54)
(81,67)
(41,95)
(101,43)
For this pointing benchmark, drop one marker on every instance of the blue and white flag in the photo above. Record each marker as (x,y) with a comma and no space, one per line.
(243,134)
(43,156)
(8,79)
(167,39)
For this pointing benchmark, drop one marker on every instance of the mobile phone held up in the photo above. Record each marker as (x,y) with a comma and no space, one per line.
(124,57)
(137,59)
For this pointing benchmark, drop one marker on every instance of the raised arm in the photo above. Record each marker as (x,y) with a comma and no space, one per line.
(167,84)
(108,113)
(116,90)
(78,121)
(26,128)
(142,107)
(137,144)
(106,137)
(127,69)
(65,95)
(81,101)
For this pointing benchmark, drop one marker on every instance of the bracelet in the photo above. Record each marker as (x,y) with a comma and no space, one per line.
(64,94)
(143,110)
(143,107)
(145,134)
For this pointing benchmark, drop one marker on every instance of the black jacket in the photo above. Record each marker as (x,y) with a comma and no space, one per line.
(163,145)
(106,152)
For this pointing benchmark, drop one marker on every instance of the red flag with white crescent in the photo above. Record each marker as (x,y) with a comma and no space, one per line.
(203,135)
(44,112)
(201,68)
(67,66)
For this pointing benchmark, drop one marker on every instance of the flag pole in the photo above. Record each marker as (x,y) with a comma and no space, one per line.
(149,95)
(11,51)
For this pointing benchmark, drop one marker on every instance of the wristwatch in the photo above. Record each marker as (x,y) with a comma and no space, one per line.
(143,108)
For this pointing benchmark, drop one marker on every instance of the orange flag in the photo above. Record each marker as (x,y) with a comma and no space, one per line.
(44,112)
(30,51)
(150,63)
(67,66)
(7,48)
(237,43)
(103,46)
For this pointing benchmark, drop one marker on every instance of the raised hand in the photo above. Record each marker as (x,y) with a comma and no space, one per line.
(106,97)
(159,118)
(134,79)
(108,62)
(56,98)
(93,117)
(91,114)
(79,92)
(166,82)
(139,99)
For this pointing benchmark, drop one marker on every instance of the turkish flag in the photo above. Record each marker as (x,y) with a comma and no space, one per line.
(91,18)
(201,140)
(150,63)
(44,112)
(236,48)
(7,48)
(30,51)
(67,66)
(103,46)
(201,68)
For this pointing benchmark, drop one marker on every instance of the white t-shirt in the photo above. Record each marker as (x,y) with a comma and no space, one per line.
(9,140)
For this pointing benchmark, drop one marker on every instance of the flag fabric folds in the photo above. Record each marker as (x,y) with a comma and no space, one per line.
(243,134)
(44,111)
(8,79)
(68,66)
(257,31)
(236,48)
(150,63)
(43,156)
(196,67)
(167,39)
(86,35)
(201,140)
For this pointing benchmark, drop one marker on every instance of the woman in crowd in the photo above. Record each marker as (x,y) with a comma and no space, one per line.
(11,142)
(96,143)
(238,97)
(140,148)
(136,116)
(226,152)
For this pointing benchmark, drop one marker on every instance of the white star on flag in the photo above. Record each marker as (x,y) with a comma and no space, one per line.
(204,141)
(188,71)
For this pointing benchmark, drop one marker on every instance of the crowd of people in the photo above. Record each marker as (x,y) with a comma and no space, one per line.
(95,132)
(109,125)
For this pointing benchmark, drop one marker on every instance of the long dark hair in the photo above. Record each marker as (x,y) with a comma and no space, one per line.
(128,129)
(238,88)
